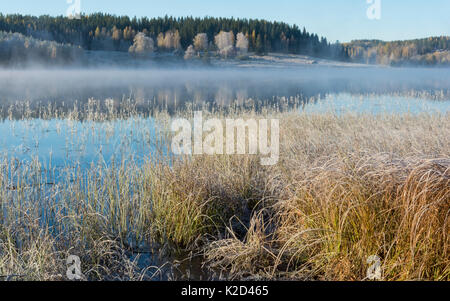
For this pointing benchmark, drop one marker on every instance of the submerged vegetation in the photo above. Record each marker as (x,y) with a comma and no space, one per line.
(346,187)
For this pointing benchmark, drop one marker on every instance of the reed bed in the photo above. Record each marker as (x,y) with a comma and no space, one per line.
(346,187)
(352,187)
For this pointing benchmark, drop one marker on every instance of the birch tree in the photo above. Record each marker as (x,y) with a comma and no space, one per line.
(142,45)
(170,40)
(225,43)
(190,53)
(241,43)
(201,42)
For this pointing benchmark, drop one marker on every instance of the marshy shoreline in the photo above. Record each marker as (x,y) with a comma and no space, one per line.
(346,187)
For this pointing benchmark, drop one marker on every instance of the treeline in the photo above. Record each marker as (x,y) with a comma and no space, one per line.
(17,49)
(226,36)
(429,51)
(109,32)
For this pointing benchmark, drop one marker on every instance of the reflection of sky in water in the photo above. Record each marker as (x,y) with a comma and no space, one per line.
(65,143)
(342,103)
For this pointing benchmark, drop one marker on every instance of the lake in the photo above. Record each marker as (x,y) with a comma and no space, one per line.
(37,106)
(73,119)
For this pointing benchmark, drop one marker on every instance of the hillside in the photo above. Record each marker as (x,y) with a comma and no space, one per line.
(429,51)
(17,49)
(109,32)
(206,38)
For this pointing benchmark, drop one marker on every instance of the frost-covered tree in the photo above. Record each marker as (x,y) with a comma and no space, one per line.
(190,53)
(176,40)
(171,40)
(224,40)
(160,40)
(116,34)
(142,45)
(16,48)
(225,43)
(201,42)
(241,43)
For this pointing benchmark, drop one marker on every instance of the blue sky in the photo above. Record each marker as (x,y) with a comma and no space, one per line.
(342,20)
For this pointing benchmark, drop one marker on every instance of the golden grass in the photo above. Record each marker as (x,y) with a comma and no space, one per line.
(352,187)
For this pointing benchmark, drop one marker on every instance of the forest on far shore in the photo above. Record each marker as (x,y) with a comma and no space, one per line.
(60,39)
(429,51)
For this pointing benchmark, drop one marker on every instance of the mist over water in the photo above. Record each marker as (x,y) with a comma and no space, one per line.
(171,89)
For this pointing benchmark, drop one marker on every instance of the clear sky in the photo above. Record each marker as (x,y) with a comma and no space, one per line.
(341,20)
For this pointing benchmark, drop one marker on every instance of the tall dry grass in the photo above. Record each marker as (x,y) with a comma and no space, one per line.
(346,187)
(353,186)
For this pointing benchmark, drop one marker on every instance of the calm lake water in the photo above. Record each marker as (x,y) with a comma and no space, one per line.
(173,89)
(28,95)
